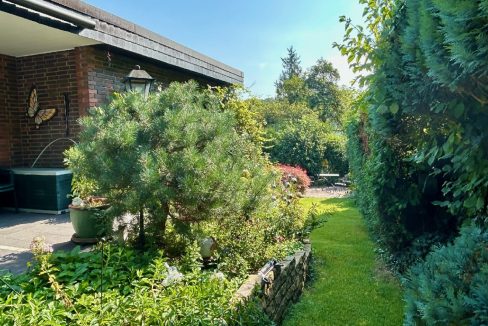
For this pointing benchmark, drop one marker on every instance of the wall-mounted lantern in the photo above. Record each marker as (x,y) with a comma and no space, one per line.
(138,80)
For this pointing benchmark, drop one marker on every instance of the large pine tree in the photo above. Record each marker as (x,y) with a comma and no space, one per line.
(291,68)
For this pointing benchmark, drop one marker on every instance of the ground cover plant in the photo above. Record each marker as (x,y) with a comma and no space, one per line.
(348,286)
(120,286)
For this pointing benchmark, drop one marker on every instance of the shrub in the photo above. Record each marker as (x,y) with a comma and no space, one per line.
(189,162)
(177,157)
(419,163)
(295,174)
(245,243)
(450,286)
(335,159)
(302,143)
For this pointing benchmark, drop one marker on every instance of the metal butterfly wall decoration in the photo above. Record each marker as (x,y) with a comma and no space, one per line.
(34,110)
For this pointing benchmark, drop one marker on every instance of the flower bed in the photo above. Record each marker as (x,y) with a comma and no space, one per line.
(128,288)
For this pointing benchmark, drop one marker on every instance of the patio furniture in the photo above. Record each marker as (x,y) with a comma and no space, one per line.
(343,184)
(327,179)
(7,184)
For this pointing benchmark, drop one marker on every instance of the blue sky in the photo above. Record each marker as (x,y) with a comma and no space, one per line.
(250,35)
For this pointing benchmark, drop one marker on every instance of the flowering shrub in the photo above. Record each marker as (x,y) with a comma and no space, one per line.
(295,174)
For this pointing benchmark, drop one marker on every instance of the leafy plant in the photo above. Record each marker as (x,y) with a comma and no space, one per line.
(302,143)
(119,286)
(315,219)
(295,174)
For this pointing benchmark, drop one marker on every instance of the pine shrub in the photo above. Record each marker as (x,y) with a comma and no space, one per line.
(451,286)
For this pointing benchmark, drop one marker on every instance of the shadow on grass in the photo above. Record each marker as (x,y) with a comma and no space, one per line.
(339,202)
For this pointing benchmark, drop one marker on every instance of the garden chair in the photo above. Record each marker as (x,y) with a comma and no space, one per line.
(7,184)
(343,184)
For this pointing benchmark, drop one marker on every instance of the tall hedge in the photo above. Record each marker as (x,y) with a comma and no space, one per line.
(418,147)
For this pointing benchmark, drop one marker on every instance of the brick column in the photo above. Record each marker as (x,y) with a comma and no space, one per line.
(8,104)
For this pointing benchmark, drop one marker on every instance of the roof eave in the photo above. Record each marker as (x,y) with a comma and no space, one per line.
(120,33)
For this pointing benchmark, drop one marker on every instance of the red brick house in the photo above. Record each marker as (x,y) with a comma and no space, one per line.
(73,52)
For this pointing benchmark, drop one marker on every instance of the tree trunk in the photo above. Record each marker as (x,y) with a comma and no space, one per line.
(142,233)
(160,219)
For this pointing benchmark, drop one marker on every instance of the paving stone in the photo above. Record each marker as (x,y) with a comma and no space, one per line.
(18,230)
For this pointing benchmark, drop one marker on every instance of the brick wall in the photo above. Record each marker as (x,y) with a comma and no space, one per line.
(87,74)
(283,285)
(8,98)
(106,70)
(54,75)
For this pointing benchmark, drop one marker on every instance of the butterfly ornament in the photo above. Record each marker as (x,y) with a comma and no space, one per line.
(34,110)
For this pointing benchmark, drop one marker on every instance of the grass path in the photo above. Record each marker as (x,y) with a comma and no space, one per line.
(348,288)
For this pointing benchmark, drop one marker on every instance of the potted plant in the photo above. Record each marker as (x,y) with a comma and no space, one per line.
(88,214)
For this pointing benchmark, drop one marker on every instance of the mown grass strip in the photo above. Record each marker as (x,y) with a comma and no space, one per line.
(349,287)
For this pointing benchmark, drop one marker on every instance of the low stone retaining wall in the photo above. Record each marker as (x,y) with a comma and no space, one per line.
(281,286)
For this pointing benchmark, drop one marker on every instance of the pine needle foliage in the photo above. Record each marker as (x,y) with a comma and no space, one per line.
(179,154)
(450,287)
(291,68)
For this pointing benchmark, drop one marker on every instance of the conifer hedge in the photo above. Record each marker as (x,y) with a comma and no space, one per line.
(418,146)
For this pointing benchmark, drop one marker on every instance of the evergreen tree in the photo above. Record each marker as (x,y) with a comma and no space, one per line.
(163,158)
(291,68)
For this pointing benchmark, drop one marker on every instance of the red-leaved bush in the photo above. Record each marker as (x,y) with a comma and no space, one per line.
(295,174)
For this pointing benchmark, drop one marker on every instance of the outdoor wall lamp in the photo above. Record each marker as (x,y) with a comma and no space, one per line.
(138,80)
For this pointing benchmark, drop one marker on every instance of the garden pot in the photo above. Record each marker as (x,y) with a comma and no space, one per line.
(90,223)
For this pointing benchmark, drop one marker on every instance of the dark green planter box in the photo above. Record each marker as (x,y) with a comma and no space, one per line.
(43,190)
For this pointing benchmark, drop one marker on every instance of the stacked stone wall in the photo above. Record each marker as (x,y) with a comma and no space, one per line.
(282,286)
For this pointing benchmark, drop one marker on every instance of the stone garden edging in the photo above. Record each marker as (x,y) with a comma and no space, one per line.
(279,288)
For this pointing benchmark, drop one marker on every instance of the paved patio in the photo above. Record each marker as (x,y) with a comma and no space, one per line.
(327,192)
(18,230)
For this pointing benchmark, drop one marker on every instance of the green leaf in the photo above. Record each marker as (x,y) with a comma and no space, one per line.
(480,203)
(470,202)
(458,110)
(382,109)
(394,108)
(433,155)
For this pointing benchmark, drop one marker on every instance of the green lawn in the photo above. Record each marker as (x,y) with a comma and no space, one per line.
(349,287)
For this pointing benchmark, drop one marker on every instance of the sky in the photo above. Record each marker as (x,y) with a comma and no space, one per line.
(250,35)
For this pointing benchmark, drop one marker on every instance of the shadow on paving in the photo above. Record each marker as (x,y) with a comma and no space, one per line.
(15,262)
(10,219)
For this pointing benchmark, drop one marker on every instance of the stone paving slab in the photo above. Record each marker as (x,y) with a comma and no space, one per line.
(327,192)
(18,229)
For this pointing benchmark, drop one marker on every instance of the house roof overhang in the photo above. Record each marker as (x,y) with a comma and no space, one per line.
(24,32)
(76,24)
